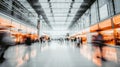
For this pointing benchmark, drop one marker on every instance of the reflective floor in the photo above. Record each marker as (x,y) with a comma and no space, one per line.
(55,54)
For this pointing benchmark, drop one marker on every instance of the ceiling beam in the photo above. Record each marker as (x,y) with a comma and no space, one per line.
(81,12)
(39,10)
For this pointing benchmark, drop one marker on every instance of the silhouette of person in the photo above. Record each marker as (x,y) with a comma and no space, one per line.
(28,40)
(28,43)
(5,42)
(100,42)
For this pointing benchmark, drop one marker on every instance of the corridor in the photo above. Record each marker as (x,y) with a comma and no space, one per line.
(53,55)
(59,33)
(48,55)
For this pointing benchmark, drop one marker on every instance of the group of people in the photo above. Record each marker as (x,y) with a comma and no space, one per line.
(44,39)
(78,41)
(6,41)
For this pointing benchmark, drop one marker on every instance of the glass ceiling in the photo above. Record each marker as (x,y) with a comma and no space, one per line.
(60,13)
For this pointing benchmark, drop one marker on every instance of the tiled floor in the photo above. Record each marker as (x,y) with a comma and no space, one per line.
(55,54)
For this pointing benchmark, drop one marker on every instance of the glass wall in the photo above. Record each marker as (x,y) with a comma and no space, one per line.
(117,6)
(110,8)
(103,12)
(82,23)
(108,25)
(94,15)
(105,8)
(87,18)
(81,26)
(102,2)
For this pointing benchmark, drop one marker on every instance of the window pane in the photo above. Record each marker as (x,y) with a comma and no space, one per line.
(61,5)
(94,13)
(117,6)
(76,5)
(103,12)
(60,0)
(45,5)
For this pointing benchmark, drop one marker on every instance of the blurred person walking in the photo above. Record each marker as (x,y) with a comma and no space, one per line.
(5,42)
(79,41)
(28,43)
(99,42)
